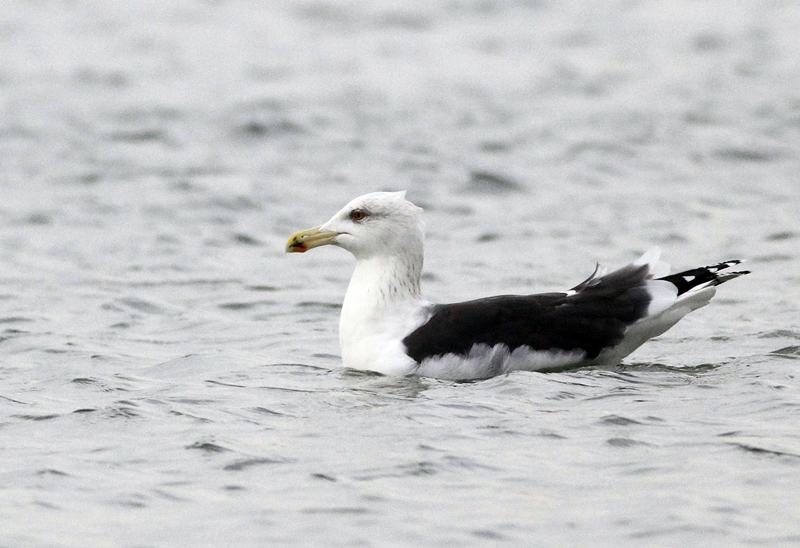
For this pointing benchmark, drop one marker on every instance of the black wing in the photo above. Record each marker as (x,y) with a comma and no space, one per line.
(592,318)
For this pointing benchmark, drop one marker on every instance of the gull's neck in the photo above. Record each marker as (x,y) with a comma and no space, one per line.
(383,292)
(382,282)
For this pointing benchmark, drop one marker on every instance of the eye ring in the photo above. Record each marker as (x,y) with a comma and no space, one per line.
(358,215)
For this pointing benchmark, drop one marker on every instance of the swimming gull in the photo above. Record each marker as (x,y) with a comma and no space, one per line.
(386,326)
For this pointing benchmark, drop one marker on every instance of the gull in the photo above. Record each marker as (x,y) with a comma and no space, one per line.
(387,327)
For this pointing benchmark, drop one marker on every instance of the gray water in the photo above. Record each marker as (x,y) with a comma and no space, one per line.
(169,377)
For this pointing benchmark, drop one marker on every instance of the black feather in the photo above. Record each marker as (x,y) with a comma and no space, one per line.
(689,279)
(590,320)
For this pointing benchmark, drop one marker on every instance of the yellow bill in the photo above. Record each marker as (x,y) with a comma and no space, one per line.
(308,239)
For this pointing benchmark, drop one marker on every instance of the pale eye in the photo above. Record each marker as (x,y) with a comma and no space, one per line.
(358,215)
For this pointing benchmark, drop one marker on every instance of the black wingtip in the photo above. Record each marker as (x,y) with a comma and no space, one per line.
(706,275)
(722,278)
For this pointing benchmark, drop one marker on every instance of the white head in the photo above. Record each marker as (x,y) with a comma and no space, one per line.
(376,224)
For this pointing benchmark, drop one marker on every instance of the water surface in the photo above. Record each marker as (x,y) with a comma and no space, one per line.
(169,377)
